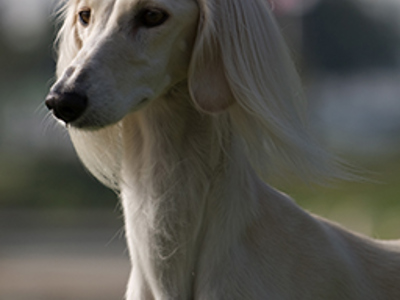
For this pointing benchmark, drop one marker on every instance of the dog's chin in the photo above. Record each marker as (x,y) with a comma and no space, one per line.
(87,126)
(93,122)
(140,105)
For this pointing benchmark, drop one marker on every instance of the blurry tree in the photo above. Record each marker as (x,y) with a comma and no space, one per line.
(20,66)
(340,37)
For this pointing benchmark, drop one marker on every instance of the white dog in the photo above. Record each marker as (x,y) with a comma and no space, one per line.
(182,106)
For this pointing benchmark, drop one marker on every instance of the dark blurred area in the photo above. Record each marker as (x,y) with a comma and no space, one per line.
(340,37)
(61,231)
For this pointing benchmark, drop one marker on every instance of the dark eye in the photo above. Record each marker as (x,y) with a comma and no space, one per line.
(84,16)
(152,17)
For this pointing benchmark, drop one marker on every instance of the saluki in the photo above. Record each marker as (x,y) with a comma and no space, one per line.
(186,108)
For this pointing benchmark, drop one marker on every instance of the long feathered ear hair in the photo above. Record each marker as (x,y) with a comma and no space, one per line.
(100,150)
(241,65)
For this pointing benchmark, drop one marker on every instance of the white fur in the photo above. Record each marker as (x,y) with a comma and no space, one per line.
(223,109)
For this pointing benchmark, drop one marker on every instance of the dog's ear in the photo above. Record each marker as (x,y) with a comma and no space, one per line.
(240,58)
(208,83)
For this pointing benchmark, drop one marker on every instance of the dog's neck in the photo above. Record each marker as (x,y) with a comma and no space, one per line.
(174,159)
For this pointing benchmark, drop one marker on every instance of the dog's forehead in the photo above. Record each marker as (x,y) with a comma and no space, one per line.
(94,3)
(132,5)
(174,6)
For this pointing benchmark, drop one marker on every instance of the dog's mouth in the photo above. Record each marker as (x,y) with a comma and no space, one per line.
(73,110)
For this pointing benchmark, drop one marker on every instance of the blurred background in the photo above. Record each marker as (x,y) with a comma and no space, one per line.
(61,232)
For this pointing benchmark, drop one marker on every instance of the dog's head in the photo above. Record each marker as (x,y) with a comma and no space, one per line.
(117,55)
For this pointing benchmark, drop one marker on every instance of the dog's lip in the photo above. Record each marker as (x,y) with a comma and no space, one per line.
(140,104)
(88,123)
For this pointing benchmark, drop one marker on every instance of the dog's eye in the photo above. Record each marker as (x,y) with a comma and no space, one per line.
(84,16)
(152,17)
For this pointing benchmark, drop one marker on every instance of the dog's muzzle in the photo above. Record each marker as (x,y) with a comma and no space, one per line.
(67,106)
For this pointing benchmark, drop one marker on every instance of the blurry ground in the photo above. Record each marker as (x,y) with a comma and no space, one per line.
(48,255)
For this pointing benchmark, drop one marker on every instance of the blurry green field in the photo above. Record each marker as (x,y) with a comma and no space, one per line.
(50,183)
(369,207)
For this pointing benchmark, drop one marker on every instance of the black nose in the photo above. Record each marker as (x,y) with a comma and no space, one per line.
(67,106)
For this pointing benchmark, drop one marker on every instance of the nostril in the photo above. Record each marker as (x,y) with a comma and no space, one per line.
(51,101)
(67,106)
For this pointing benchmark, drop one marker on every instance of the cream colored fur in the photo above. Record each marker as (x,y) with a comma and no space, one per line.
(183,120)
